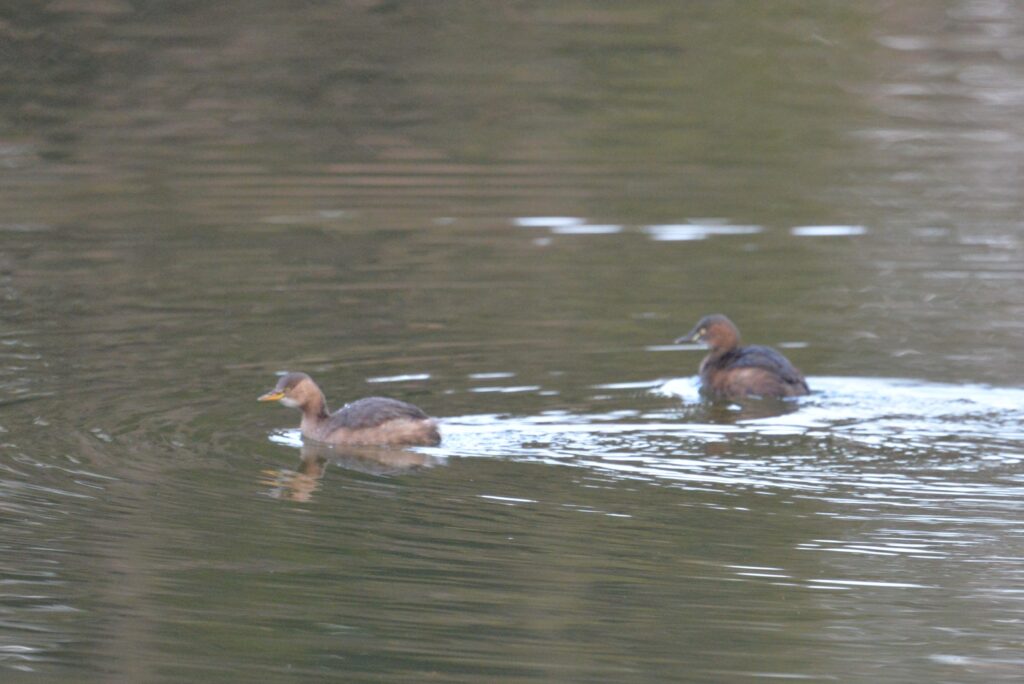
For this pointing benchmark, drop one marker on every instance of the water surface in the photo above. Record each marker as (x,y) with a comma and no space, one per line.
(505,214)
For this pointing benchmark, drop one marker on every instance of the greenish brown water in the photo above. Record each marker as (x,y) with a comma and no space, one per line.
(504,212)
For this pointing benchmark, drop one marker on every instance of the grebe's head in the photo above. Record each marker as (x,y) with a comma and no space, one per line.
(716,331)
(296,390)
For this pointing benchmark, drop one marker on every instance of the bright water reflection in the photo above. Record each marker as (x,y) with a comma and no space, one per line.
(849,428)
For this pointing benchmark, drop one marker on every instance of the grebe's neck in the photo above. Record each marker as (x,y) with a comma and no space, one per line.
(313,414)
(715,355)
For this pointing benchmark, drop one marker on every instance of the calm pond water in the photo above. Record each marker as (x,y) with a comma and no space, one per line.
(505,212)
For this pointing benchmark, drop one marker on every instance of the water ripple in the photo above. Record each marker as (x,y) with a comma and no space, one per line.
(851,433)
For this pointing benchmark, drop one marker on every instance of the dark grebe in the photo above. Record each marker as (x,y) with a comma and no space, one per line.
(374,420)
(735,372)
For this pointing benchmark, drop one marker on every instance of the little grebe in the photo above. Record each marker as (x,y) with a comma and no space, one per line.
(734,372)
(374,420)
